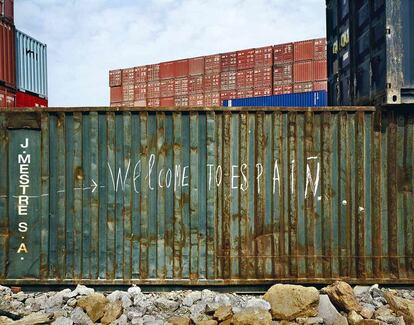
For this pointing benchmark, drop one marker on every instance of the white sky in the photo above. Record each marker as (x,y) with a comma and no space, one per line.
(87,38)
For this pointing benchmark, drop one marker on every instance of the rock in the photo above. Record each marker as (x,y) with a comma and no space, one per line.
(188,301)
(112,312)
(83,290)
(309,321)
(383,312)
(341,320)
(258,303)
(354,318)
(179,321)
(195,295)
(123,320)
(327,311)
(54,301)
(211,307)
(166,304)
(94,305)
(222,299)
(342,295)
(371,322)
(402,307)
(252,316)
(34,319)
(5,320)
(63,321)
(292,301)
(115,296)
(79,317)
(223,313)
(134,291)
(20,296)
(360,290)
(367,313)
(207,322)
(71,302)
(197,311)
(207,295)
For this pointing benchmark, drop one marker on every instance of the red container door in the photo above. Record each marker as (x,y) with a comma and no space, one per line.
(320,70)
(153,72)
(283,53)
(181,86)
(7,10)
(153,89)
(212,99)
(304,50)
(196,66)
(245,59)
(116,94)
(167,70)
(141,74)
(153,102)
(303,71)
(320,49)
(244,93)
(128,76)
(128,92)
(228,80)
(212,82)
(265,91)
(229,61)
(263,56)
(245,79)
(229,94)
(212,64)
(140,103)
(7,54)
(196,100)
(303,87)
(140,92)
(282,74)
(196,84)
(181,68)
(320,85)
(115,78)
(167,102)
(181,101)
(263,77)
(167,88)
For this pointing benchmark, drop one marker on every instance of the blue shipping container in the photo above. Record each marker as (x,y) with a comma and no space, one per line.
(31,65)
(309,99)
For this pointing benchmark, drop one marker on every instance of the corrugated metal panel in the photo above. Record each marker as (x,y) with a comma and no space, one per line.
(7,97)
(28,100)
(31,64)
(307,99)
(7,54)
(248,196)
(7,10)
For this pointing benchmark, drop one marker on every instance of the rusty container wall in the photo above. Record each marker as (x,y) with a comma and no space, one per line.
(197,197)
(7,54)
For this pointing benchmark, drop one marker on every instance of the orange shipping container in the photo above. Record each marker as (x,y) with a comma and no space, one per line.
(167,70)
(212,99)
(181,86)
(153,102)
(283,53)
(245,59)
(228,80)
(229,61)
(181,101)
(153,72)
(167,88)
(167,102)
(7,98)
(115,78)
(196,100)
(320,70)
(212,82)
(7,54)
(196,84)
(116,94)
(304,50)
(263,56)
(141,74)
(303,87)
(128,76)
(181,68)
(263,77)
(153,89)
(196,66)
(140,91)
(245,79)
(212,64)
(303,71)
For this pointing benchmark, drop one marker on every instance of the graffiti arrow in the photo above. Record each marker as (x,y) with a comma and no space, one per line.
(94,185)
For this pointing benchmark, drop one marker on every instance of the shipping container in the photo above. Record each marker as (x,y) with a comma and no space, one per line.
(309,99)
(282,74)
(212,82)
(320,85)
(212,99)
(128,76)
(212,64)
(370,52)
(245,59)
(140,92)
(116,94)
(320,70)
(235,196)
(283,53)
(304,50)
(140,103)
(141,74)
(181,86)
(245,93)
(29,100)
(320,49)
(303,71)
(115,78)
(167,70)
(263,76)
(196,100)
(181,101)
(7,97)
(153,102)
(167,88)
(263,56)
(31,65)
(7,54)
(228,94)
(228,80)
(181,68)
(283,89)
(196,84)
(7,10)
(128,92)
(196,66)
(245,79)
(228,61)
(167,102)
(153,89)
(153,72)
(262,91)
(303,87)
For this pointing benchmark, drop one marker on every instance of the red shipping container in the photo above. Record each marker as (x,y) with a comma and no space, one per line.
(7,98)
(140,92)
(245,93)
(128,93)
(212,64)
(7,54)
(283,89)
(181,86)
(196,100)
(153,102)
(228,80)
(167,102)
(228,94)
(245,79)
(263,77)
(283,73)
(196,84)
(127,104)
(181,101)
(283,53)
(153,72)
(167,70)
(229,61)
(212,82)
(7,10)
(304,50)
(128,76)
(116,94)
(265,91)
(303,87)
(196,66)
(153,89)
(212,99)
(167,88)
(320,70)
(141,74)
(140,103)
(320,85)
(115,78)
(181,68)
(263,56)
(320,49)
(245,59)
(27,100)
(303,71)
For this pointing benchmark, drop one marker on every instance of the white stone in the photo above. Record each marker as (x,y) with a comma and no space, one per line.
(83,290)
(134,290)
(188,301)
(360,290)
(258,303)
(63,321)
(79,317)
(327,310)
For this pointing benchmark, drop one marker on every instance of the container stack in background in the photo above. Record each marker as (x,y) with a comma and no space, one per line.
(216,80)
(23,64)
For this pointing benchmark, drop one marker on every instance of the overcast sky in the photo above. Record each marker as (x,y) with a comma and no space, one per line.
(87,38)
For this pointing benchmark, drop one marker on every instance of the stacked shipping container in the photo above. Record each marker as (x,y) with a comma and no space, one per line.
(23,64)
(210,80)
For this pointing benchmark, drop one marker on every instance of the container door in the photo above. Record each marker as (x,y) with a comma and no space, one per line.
(24,203)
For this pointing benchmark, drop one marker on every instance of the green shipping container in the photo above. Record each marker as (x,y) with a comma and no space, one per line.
(200,197)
